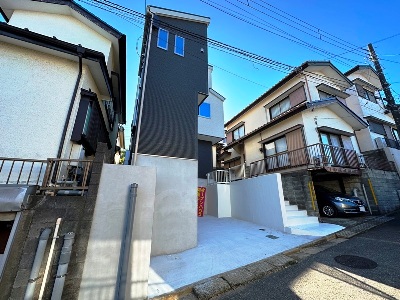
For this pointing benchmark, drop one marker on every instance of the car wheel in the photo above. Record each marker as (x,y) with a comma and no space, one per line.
(329,211)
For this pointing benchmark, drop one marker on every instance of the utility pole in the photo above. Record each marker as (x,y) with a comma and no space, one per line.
(392,106)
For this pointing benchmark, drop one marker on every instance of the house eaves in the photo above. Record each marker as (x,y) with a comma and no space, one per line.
(70,7)
(38,42)
(290,113)
(360,68)
(341,110)
(159,11)
(216,94)
(286,79)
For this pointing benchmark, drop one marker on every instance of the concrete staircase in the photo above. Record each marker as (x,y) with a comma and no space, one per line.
(297,218)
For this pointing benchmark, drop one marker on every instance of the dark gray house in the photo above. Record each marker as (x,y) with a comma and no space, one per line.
(173,82)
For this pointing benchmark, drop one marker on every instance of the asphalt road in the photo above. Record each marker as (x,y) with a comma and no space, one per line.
(319,276)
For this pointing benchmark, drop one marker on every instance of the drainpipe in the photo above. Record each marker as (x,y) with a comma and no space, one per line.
(126,245)
(34,276)
(308,88)
(49,259)
(63,266)
(80,50)
(144,89)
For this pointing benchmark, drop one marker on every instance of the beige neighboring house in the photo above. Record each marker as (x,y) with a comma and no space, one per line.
(310,128)
(379,143)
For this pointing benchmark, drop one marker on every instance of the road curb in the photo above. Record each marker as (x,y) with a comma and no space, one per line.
(221,283)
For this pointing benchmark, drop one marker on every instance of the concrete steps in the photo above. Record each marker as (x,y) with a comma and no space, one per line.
(296,217)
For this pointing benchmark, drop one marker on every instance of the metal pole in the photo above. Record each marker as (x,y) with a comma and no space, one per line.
(126,244)
(392,106)
(366,198)
(34,276)
(49,259)
(63,266)
(144,89)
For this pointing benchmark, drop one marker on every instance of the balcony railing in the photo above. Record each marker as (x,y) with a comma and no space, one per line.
(66,175)
(22,171)
(227,176)
(314,156)
(52,174)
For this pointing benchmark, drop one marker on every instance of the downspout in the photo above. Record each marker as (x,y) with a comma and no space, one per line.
(144,89)
(34,276)
(49,259)
(126,242)
(308,88)
(63,266)
(80,50)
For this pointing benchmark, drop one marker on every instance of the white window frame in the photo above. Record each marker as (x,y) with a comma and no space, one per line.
(159,38)
(183,48)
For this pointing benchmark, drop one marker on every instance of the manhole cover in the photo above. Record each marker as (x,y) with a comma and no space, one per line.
(356,262)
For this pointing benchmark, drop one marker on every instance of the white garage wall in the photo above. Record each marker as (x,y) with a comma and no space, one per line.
(259,200)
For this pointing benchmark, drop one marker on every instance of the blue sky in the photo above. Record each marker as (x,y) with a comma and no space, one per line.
(356,23)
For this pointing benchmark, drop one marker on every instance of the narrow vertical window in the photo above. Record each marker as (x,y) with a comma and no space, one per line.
(162,41)
(179,45)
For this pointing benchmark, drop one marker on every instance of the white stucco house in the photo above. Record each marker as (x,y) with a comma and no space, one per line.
(62,82)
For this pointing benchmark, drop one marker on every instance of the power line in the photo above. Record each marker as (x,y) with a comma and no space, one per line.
(317,30)
(234,50)
(291,37)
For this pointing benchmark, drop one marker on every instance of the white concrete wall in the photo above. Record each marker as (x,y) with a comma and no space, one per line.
(33,112)
(259,200)
(324,117)
(175,210)
(219,201)
(213,126)
(65,28)
(103,253)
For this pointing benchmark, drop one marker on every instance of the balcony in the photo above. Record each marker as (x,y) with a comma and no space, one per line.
(54,175)
(317,156)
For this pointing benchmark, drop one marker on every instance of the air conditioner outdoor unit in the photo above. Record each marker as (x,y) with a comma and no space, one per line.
(318,161)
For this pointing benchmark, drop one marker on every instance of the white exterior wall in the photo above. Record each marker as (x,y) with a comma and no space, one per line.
(213,126)
(65,28)
(175,209)
(259,200)
(324,117)
(103,252)
(42,102)
(218,200)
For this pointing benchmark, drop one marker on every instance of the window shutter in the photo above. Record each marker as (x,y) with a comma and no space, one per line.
(388,131)
(80,121)
(297,96)
(361,92)
(229,137)
(377,128)
(295,145)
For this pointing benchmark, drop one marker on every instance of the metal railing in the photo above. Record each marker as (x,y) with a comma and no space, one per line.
(218,176)
(314,156)
(53,174)
(21,171)
(67,174)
